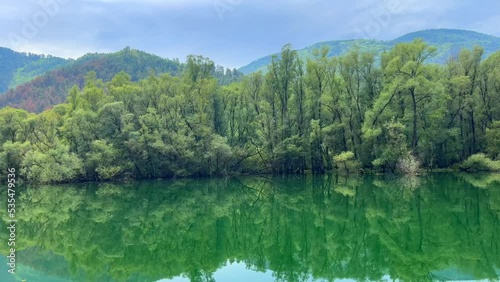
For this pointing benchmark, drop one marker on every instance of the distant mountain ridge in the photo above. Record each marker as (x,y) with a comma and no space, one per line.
(17,68)
(52,87)
(37,82)
(448,42)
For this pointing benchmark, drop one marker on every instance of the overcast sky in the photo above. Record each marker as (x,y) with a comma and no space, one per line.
(230,32)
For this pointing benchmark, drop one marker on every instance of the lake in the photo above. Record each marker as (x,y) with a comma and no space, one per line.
(306,228)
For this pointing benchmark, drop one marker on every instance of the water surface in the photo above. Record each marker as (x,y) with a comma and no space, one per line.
(327,228)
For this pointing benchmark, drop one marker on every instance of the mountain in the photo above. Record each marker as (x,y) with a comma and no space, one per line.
(448,42)
(52,87)
(37,82)
(18,68)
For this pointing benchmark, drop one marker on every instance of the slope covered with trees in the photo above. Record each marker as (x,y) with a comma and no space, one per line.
(348,113)
(448,42)
(18,68)
(52,88)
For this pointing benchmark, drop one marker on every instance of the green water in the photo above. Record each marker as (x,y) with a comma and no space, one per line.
(439,227)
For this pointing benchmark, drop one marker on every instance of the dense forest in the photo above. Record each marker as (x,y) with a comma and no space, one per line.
(349,113)
(18,68)
(51,88)
(448,43)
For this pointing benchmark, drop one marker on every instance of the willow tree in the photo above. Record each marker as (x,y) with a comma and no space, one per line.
(284,82)
(280,78)
(413,94)
(464,78)
(320,73)
(490,102)
(357,85)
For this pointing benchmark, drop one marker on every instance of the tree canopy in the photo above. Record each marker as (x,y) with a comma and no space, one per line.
(295,118)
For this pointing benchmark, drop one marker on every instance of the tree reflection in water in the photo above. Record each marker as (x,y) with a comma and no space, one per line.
(300,228)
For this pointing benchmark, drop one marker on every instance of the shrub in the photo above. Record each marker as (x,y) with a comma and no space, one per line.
(408,165)
(479,162)
(55,165)
(394,148)
(346,163)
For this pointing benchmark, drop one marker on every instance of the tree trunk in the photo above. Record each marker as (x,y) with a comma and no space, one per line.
(414,135)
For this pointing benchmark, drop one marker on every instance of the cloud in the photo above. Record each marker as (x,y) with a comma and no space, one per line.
(489,25)
(9,12)
(231,32)
(63,49)
(428,7)
(387,19)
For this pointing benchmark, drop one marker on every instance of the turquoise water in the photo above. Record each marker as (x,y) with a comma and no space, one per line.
(435,228)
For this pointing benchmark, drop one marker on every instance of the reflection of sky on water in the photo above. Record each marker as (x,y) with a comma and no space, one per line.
(233,272)
(25,272)
(230,272)
(240,272)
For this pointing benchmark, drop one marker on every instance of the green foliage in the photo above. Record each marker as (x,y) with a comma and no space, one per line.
(289,155)
(51,87)
(408,165)
(12,125)
(480,162)
(324,228)
(18,68)
(346,162)
(346,113)
(104,160)
(12,154)
(394,147)
(493,140)
(56,164)
(34,69)
(447,41)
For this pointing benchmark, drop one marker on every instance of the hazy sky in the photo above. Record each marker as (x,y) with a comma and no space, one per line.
(230,32)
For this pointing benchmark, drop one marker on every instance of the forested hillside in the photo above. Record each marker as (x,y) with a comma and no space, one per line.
(448,42)
(18,68)
(52,88)
(347,113)
(38,82)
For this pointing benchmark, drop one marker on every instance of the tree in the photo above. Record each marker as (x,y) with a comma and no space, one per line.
(55,165)
(404,67)
(105,161)
(357,85)
(493,140)
(12,125)
(282,73)
(198,68)
(346,162)
(295,118)
(320,72)
(464,72)
(394,147)
(413,94)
